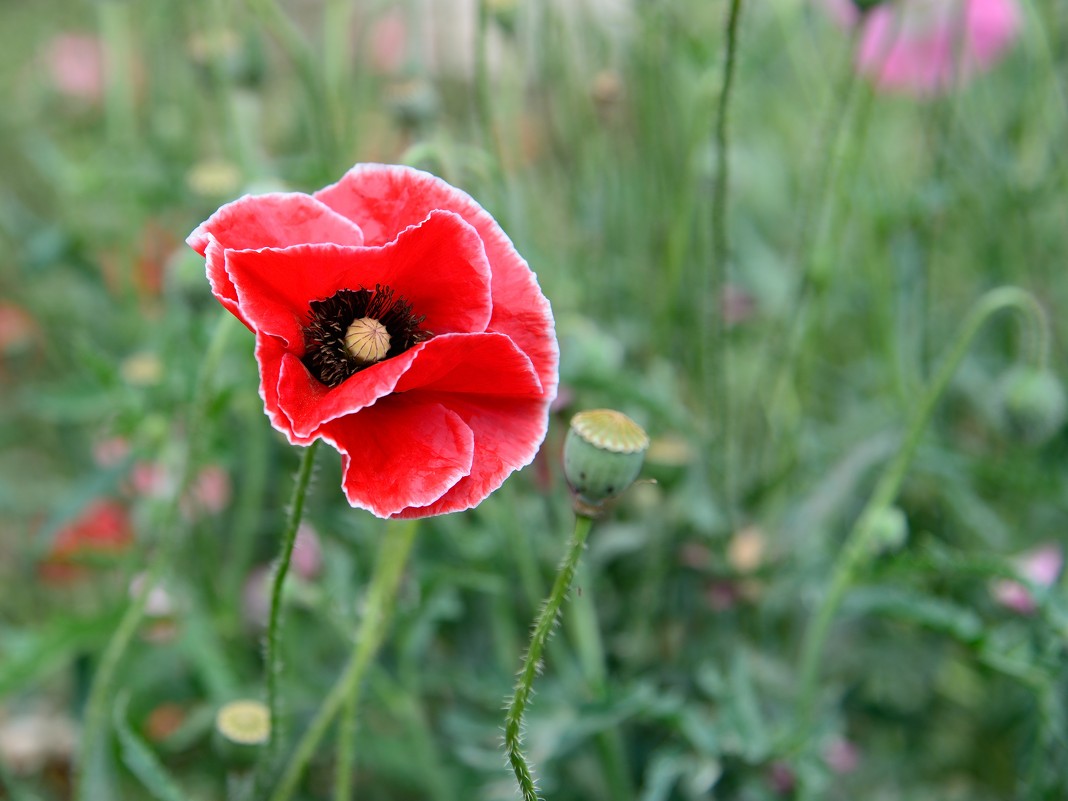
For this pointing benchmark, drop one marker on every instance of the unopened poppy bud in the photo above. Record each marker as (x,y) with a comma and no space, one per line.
(890,530)
(603,454)
(1033,404)
(367,340)
(241,728)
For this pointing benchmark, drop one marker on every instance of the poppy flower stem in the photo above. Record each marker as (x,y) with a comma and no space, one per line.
(381,594)
(274,623)
(858,545)
(543,627)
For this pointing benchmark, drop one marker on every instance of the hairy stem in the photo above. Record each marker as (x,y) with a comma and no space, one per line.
(274,622)
(543,627)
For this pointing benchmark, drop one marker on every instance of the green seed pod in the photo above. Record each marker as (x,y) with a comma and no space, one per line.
(241,728)
(603,454)
(1032,403)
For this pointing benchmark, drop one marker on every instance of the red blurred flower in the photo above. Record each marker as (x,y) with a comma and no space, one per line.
(395,320)
(102,529)
(17,330)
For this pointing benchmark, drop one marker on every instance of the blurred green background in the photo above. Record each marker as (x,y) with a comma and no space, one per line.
(862,227)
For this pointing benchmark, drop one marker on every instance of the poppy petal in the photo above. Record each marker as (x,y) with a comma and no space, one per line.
(481,364)
(274,220)
(478,364)
(219,280)
(438,266)
(385,199)
(400,452)
(272,355)
(507,435)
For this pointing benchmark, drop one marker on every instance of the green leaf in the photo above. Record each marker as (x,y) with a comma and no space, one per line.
(141,760)
(29,658)
(912,607)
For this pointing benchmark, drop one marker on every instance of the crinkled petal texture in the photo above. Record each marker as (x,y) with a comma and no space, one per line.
(436,428)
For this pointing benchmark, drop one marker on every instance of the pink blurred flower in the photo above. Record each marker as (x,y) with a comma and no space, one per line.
(150,480)
(841,755)
(209,493)
(256,597)
(736,305)
(75,65)
(927,47)
(307,556)
(1041,566)
(782,778)
(388,38)
(111,452)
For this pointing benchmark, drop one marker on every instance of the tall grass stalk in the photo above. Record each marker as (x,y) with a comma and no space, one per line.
(858,543)
(378,609)
(715,326)
(381,597)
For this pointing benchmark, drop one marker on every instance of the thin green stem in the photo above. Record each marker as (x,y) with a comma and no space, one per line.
(858,543)
(585,634)
(274,622)
(849,115)
(292,42)
(381,594)
(96,708)
(381,597)
(337,70)
(543,627)
(119,103)
(716,325)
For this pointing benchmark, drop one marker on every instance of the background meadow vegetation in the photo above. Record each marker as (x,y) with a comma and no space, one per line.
(861,226)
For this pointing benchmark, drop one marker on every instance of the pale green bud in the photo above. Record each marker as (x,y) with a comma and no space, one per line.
(603,454)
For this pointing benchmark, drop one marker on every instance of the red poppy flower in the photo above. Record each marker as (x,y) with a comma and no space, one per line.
(103,529)
(395,320)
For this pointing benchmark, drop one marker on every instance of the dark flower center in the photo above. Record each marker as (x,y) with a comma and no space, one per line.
(355,328)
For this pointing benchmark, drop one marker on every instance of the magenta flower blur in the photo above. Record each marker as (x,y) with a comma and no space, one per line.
(925,48)
(1041,566)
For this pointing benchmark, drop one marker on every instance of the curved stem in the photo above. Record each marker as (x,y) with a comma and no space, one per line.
(858,543)
(274,622)
(381,594)
(96,708)
(720,264)
(543,626)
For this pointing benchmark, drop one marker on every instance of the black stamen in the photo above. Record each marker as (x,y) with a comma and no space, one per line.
(324,336)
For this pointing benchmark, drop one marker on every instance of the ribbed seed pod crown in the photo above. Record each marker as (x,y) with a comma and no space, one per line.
(603,454)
